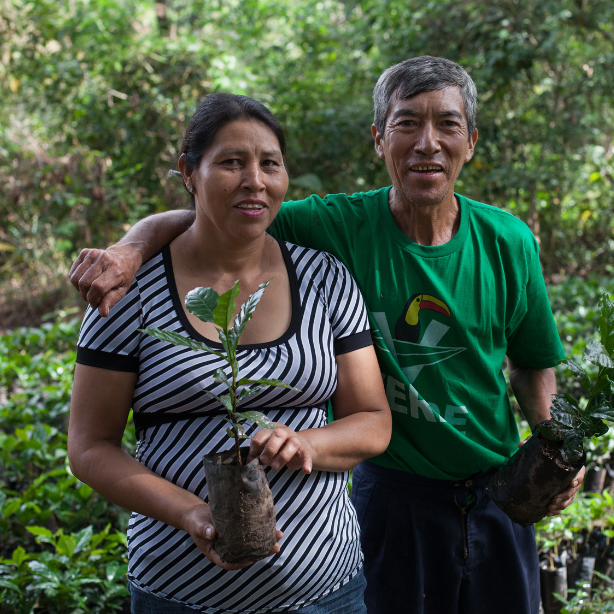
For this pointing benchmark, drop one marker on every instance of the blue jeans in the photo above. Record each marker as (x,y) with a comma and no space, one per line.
(346,600)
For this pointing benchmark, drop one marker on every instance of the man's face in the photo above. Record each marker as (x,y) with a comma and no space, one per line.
(425,144)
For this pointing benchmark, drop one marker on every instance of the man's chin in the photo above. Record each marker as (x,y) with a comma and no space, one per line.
(425,199)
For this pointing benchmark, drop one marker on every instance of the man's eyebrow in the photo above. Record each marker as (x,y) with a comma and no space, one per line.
(451,113)
(414,113)
(404,112)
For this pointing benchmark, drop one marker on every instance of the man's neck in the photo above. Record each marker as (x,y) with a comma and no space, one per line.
(430,225)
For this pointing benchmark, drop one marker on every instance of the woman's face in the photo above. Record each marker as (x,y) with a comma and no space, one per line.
(241,181)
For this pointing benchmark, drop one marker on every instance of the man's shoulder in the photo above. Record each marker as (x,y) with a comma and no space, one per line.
(499,223)
(358,202)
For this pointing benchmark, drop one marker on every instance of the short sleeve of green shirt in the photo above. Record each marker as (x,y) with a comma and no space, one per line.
(535,343)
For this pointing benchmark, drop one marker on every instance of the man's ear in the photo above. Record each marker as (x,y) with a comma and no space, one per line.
(379,145)
(472,141)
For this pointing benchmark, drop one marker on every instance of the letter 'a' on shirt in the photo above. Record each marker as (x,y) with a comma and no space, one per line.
(443,319)
(176,425)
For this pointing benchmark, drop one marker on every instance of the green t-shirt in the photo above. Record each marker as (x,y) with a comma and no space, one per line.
(443,318)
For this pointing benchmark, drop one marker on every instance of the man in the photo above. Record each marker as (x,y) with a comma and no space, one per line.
(452,286)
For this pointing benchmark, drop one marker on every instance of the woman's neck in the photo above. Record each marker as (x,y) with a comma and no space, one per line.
(207,253)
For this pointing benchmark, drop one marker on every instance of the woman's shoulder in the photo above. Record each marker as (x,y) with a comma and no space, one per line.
(314,259)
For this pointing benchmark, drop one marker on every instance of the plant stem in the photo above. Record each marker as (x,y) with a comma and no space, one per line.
(235,430)
(235,426)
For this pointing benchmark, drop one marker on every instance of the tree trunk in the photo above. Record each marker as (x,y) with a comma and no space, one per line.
(163,24)
(533,219)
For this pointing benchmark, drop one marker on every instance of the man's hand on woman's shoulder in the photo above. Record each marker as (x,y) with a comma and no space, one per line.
(103,277)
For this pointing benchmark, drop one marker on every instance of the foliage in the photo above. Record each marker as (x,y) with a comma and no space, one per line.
(96,95)
(209,306)
(571,424)
(63,547)
(600,600)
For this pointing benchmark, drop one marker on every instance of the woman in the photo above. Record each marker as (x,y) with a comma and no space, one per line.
(310,330)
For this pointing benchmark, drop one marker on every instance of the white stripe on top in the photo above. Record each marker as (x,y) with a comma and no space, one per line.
(320,551)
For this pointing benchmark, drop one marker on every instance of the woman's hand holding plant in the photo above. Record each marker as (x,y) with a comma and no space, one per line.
(197,522)
(280,448)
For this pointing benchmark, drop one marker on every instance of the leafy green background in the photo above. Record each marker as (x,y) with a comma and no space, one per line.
(96,94)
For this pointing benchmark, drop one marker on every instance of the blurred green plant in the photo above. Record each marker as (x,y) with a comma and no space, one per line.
(96,94)
(46,556)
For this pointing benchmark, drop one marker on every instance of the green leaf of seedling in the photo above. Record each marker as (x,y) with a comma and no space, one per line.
(226,401)
(201,302)
(578,371)
(247,309)
(226,305)
(596,353)
(228,347)
(563,412)
(219,377)
(177,339)
(248,392)
(595,427)
(215,396)
(266,382)
(549,431)
(572,446)
(258,417)
(229,432)
(603,413)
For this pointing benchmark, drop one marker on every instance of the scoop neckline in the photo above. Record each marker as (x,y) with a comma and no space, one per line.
(194,334)
(425,251)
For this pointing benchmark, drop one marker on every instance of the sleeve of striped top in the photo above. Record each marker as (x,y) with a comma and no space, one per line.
(346,308)
(112,342)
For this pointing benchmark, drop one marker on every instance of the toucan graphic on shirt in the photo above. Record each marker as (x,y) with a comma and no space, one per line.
(415,345)
(408,325)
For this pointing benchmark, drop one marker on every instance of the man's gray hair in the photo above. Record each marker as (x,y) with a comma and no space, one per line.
(423,74)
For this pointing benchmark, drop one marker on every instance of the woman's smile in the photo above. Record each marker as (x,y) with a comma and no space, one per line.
(251,207)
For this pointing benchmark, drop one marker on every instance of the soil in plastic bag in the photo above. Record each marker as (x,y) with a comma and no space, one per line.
(241,505)
(523,488)
(553,581)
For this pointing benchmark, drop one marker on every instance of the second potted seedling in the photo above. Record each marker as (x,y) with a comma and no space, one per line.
(545,466)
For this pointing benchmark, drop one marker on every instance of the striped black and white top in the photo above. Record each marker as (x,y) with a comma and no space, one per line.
(320,551)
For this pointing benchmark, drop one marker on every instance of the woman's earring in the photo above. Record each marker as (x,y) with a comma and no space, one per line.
(190,188)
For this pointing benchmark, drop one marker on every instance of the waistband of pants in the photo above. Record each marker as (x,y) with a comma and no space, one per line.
(402,479)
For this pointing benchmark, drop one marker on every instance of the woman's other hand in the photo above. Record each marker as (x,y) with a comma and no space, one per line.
(280,448)
(197,522)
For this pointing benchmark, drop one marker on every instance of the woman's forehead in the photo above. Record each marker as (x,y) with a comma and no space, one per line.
(246,134)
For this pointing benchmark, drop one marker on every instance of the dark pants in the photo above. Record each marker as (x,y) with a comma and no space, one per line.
(441,547)
(346,600)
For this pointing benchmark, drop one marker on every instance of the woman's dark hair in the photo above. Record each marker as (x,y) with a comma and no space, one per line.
(215,112)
